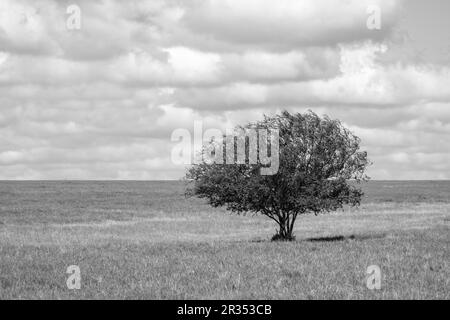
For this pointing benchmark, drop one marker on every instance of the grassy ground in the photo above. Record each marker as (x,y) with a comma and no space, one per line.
(145,240)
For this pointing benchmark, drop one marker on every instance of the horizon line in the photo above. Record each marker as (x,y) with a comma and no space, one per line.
(169,180)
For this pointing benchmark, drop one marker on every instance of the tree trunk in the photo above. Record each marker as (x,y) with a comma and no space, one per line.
(286,228)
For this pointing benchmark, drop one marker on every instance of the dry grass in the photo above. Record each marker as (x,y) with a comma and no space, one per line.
(145,240)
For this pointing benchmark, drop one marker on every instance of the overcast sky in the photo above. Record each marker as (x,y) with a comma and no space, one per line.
(101,102)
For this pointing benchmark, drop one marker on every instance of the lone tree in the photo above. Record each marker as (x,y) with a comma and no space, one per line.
(318,159)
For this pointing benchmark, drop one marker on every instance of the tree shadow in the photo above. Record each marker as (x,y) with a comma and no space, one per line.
(329,239)
(359,237)
(336,238)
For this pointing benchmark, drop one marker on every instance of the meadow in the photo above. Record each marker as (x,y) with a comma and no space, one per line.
(146,240)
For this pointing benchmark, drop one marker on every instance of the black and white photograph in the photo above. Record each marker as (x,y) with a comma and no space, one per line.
(240,152)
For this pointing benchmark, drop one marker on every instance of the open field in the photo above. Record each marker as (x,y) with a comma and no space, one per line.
(145,240)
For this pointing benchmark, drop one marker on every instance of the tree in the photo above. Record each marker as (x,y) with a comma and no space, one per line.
(320,167)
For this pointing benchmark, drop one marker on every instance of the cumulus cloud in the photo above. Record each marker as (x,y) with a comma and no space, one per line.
(287,23)
(101,102)
(361,81)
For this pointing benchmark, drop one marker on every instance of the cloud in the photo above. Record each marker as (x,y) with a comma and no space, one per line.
(362,81)
(287,23)
(101,102)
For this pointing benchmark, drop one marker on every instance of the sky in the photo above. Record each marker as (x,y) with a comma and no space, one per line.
(100,100)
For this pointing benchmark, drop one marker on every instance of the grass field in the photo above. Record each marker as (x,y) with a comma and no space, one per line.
(145,240)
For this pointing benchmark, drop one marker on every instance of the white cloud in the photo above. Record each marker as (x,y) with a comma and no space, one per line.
(101,102)
(286,23)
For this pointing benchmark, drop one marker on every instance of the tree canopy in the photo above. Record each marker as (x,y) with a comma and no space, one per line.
(320,166)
